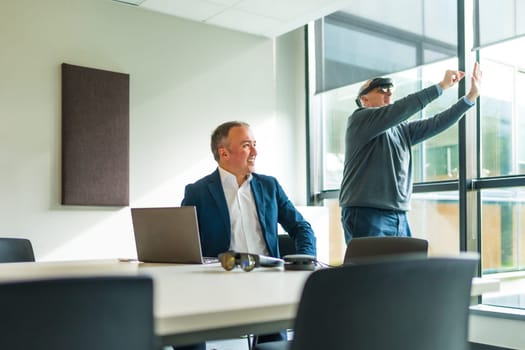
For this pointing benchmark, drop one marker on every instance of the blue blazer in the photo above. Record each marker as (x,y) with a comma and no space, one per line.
(273,206)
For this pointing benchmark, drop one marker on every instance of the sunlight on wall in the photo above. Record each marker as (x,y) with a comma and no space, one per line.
(109,238)
(171,192)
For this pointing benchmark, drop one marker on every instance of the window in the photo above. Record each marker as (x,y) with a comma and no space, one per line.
(435,159)
(503,229)
(498,21)
(502,109)
(502,159)
(469,181)
(361,41)
(435,217)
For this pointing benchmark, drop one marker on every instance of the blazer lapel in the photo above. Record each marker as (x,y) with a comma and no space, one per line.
(258,198)
(215,188)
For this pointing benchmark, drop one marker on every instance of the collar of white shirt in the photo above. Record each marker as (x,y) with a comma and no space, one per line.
(246,232)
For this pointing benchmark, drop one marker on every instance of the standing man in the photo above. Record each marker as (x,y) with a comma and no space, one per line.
(377,175)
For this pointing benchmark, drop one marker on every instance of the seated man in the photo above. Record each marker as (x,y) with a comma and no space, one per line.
(238,209)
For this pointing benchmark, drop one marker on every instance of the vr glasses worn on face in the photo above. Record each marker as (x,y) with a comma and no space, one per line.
(375,83)
(247,261)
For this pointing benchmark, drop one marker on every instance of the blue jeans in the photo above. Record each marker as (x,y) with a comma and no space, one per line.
(365,222)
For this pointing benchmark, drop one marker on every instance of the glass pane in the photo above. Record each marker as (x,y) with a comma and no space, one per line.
(502,107)
(502,233)
(435,217)
(503,243)
(520,116)
(403,14)
(369,55)
(360,42)
(433,56)
(434,159)
(519,15)
(435,14)
(337,104)
(437,158)
(500,20)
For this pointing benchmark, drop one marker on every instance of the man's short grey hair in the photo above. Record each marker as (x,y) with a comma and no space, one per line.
(220,134)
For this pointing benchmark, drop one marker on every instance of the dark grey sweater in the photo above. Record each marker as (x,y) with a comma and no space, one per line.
(378,159)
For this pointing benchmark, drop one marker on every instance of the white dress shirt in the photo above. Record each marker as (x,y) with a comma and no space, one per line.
(245,227)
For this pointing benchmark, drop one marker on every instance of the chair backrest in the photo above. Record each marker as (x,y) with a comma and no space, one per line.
(286,245)
(81,313)
(408,304)
(363,248)
(16,250)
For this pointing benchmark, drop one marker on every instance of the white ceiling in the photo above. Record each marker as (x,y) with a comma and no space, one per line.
(269,18)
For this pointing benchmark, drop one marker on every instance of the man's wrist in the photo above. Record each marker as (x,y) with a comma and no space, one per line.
(471,97)
(439,89)
(469,101)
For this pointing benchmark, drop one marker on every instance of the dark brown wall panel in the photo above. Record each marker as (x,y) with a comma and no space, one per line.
(95,137)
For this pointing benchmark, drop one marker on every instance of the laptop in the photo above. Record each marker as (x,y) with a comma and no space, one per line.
(168,235)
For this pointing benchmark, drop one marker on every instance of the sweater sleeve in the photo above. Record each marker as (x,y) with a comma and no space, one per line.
(420,130)
(367,123)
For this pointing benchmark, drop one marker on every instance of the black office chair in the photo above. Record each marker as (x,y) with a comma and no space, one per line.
(16,250)
(397,304)
(365,248)
(286,245)
(81,313)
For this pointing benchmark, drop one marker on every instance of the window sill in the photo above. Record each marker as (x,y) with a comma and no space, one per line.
(497,326)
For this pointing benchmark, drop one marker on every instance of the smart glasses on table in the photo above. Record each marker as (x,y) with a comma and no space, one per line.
(247,261)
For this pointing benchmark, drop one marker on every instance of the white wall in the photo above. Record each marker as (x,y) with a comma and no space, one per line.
(185,79)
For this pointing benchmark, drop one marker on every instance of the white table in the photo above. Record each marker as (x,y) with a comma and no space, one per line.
(198,302)
(194,303)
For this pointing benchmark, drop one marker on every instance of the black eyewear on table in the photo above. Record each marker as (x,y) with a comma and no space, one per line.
(247,261)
